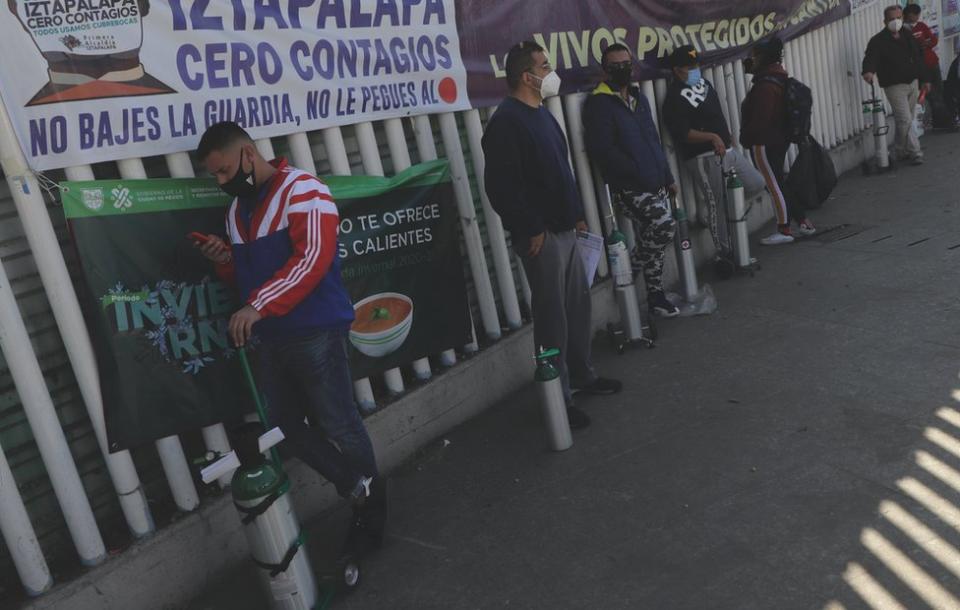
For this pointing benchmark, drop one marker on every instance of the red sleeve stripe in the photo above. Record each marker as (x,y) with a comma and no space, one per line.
(324,205)
(270,292)
(314,194)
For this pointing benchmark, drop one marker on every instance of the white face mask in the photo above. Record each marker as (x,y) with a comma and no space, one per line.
(895,25)
(549,85)
(79,29)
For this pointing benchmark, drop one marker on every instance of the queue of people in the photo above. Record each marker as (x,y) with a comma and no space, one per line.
(530,184)
(282,225)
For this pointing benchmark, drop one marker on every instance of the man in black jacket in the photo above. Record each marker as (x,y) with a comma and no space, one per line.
(693,113)
(951,90)
(895,59)
(622,139)
(530,184)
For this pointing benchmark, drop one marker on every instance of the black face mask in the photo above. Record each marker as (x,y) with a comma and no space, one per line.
(620,74)
(242,184)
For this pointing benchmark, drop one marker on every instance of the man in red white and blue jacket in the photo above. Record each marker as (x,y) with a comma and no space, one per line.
(282,256)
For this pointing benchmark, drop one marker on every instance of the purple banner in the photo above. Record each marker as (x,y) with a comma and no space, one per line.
(575,32)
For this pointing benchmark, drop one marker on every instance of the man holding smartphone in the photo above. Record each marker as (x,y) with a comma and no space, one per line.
(282,256)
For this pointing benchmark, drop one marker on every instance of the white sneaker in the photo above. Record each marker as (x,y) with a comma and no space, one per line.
(805,229)
(776,239)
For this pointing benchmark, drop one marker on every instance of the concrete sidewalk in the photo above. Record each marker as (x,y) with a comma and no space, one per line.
(797,449)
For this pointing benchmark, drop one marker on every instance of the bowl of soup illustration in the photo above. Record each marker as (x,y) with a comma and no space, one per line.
(382,323)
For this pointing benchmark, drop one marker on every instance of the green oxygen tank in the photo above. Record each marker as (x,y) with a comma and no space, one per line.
(552,403)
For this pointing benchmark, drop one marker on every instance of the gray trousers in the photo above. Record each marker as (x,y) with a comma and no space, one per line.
(710,185)
(903,100)
(561,306)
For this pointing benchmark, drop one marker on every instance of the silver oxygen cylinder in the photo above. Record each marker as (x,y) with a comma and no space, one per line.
(552,402)
(259,488)
(870,144)
(685,261)
(630,312)
(737,210)
(880,130)
(622,271)
(619,257)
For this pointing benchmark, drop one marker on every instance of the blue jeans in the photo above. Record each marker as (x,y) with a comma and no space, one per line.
(309,377)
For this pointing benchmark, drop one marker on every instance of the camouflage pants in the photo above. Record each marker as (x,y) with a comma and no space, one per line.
(653,226)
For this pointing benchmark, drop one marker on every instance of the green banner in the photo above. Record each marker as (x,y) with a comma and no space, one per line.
(158,314)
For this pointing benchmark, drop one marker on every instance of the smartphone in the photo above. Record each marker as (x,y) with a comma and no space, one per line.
(200,238)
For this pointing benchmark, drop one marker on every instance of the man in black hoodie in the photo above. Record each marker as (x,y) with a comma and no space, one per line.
(693,113)
(622,139)
(895,59)
(531,186)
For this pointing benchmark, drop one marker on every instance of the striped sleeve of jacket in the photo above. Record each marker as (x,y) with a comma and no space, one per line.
(306,209)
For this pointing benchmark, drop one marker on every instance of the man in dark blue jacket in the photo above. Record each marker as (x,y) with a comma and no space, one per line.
(622,139)
(531,186)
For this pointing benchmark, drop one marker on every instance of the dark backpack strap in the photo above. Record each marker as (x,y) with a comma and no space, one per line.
(778,80)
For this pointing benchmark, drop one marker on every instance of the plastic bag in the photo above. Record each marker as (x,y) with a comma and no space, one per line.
(703,304)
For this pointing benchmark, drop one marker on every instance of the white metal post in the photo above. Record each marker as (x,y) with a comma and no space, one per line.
(525,283)
(840,86)
(340,166)
(740,80)
(660,90)
(423,134)
(19,535)
(853,78)
(264,147)
(397,144)
(581,163)
(828,59)
(846,92)
(400,154)
(172,458)
(373,166)
(369,149)
(468,223)
(300,152)
(801,67)
(843,85)
(838,81)
(816,61)
(805,44)
(827,83)
(728,74)
(427,149)
(555,107)
(853,70)
(790,65)
(42,416)
(214,436)
(810,67)
(336,151)
(73,330)
(495,233)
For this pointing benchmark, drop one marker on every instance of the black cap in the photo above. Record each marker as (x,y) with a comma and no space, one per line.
(684,56)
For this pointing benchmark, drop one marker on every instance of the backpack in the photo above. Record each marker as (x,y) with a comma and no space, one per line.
(798,99)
